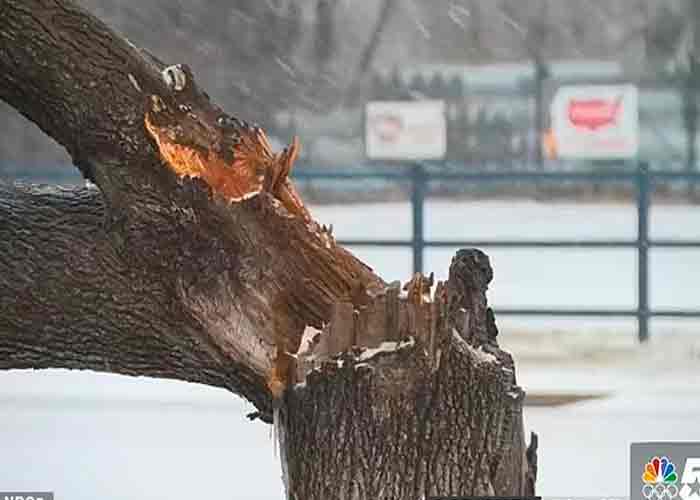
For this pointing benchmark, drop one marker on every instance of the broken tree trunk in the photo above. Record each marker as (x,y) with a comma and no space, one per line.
(423,404)
(197,260)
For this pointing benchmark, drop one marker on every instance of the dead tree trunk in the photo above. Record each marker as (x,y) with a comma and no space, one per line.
(197,260)
(427,406)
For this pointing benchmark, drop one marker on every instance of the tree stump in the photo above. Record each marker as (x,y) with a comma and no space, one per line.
(433,409)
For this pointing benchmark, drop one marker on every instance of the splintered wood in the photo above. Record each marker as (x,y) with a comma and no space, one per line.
(237,163)
(366,322)
(232,157)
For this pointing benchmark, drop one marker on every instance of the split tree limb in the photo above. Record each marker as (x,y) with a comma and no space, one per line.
(198,261)
(245,273)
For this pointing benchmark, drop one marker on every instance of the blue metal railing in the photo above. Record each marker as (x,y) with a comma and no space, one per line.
(642,178)
(421,175)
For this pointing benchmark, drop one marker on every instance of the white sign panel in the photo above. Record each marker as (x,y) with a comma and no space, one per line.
(405,130)
(595,121)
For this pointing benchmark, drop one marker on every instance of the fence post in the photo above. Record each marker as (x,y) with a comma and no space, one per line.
(643,196)
(417,201)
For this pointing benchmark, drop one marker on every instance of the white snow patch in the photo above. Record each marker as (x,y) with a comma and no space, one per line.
(174,77)
(307,340)
(483,356)
(245,196)
(479,353)
(281,442)
(134,82)
(514,394)
(385,347)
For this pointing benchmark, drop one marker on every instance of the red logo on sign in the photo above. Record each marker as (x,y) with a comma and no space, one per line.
(594,113)
(388,127)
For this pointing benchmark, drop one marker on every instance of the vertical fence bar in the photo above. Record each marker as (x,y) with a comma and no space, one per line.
(417,201)
(643,195)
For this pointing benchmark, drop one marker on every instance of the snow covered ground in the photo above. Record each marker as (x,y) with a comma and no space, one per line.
(87,435)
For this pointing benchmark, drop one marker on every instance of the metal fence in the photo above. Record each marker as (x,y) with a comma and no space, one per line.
(642,178)
(421,175)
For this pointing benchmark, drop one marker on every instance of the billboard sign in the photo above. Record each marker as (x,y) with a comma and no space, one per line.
(595,122)
(405,130)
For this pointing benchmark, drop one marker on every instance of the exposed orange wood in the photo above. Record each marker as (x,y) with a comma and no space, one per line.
(254,167)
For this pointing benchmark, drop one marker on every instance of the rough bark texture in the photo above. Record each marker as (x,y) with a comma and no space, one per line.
(196,260)
(249,276)
(70,300)
(438,413)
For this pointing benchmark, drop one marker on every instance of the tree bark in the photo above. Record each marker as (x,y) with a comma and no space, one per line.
(197,260)
(247,273)
(70,300)
(428,407)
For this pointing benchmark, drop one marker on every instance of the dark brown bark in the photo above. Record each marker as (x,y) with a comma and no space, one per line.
(196,260)
(438,413)
(249,275)
(69,299)
(69,74)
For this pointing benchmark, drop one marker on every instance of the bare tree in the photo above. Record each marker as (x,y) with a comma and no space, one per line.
(325,41)
(671,41)
(197,260)
(691,86)
(534,29)
(475,37)
(365,63)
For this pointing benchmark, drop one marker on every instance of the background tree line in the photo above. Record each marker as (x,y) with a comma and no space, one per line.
(259,57)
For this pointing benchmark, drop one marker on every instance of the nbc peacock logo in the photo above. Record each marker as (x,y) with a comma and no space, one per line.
(659,478)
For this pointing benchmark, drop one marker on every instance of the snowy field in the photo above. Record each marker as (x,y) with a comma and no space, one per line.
(89,436)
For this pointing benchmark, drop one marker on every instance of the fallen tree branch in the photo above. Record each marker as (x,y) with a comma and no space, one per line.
(197,260)
(226,239)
